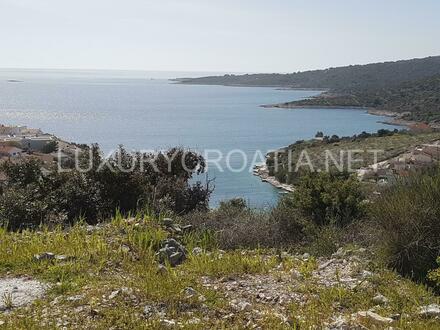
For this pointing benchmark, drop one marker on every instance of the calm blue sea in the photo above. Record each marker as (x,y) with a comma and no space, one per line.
(140,112)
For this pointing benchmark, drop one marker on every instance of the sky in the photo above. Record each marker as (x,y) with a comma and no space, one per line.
(214,35)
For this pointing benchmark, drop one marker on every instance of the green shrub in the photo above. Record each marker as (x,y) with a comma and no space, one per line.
(127,182)
(290,223)
(405,222)
(235,204)
(23,208)
(323,240)
(329,198)
(434,276)
(236,227)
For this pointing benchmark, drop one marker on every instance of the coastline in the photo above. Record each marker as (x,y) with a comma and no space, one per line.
(263,172)
(395,117)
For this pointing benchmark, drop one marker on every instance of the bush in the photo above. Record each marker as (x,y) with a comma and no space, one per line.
(329,198)
(324,240)
(237,226)
(406,223)
(128,182)
(235,204)
(434,276)
(290,224)
(23,208)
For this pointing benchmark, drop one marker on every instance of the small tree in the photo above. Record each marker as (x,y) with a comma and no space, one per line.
(329,198)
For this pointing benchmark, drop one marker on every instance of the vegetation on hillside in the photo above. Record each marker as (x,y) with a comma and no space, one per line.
(334,151)
(110,275)
(416,100)
(127,182)
(411,86)
(342,78)
(406,224)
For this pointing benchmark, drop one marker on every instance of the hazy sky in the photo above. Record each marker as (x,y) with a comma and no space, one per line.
(214,35)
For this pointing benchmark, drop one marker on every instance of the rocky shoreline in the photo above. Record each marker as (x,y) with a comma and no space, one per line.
(263,172)
(395,117)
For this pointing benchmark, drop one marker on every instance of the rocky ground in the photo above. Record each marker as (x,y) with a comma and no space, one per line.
(111,277)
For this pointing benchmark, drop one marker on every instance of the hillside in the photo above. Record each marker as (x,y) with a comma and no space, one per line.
(390,144)
(416,100)
(342,78)
(107,277)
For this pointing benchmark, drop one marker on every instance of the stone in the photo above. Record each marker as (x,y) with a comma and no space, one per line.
(197,251)
(326,264)
(366,274)
(175,258)
(339,253)
(168,222)
(187,228)
(61,257)
(194,320)
(430,311)
(340,323)
(113,294)
(168,323)
(242,306)
(373,317)
(380,299)
(44,256)
(148,311)
(305,256)
(162,270)
(75,298)
(190,292)
(172,251)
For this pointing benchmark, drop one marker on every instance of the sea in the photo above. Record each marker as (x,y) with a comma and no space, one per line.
(145,110)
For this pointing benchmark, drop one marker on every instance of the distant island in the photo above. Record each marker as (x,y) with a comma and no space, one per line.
(409,89)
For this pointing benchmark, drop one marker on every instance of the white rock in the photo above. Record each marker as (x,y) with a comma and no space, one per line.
(194,320)
(326,264)
(168,323)
(430,311)
(380,299)
(75,298)
(371,316)
(244,306)
(113,294)
(197,251)
(366,274)
(190,292)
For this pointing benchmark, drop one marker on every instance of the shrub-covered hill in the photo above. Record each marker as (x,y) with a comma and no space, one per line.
(417,100)
(388,144)
(411,86)
(341,78)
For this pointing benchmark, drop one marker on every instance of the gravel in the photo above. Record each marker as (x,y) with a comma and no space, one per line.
(20,292)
